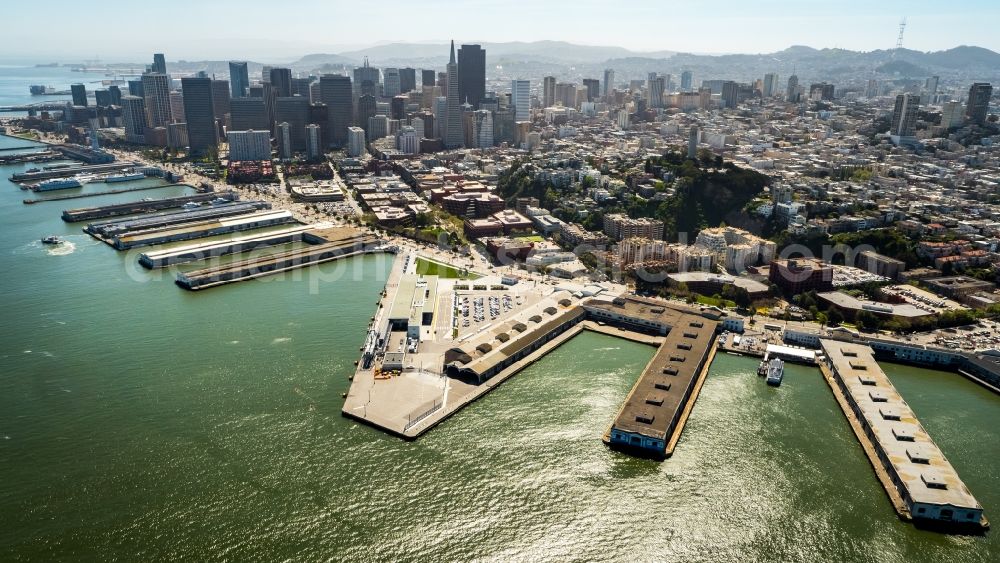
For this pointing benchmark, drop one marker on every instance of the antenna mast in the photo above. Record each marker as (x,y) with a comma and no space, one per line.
(899,40)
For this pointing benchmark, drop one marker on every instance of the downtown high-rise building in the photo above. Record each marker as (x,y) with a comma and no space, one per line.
(452,130)
(978,103)
(871,89)
(79,92)
(116,95)
(248,113)
(952,114)
(367,105)
(392,85)
(220,98)
(355,141)
(609,82)
(337,93)
(239,79)
(156,93)
(281,81)
(134,118)
(314,141)
(792,91)
(904,115)
(366,80)
(177,107)
(687,78)
(294,110)
(520,99)
(770,87)
(427,77)
(471,75)
(656,85)
(407,80)
(199,114)
(159,64)
(549,91)
(593,88)
(249,145)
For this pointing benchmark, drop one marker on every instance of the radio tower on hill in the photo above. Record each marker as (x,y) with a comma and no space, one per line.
(899,40)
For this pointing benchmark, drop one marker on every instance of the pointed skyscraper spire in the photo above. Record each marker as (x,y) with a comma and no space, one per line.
(452,61)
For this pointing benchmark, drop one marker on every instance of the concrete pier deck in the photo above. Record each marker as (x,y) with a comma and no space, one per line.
(137,207)
(174,218)
(205,250)
(71,171)
(200,229)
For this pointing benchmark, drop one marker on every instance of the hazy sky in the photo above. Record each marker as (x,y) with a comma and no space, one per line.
(128,30)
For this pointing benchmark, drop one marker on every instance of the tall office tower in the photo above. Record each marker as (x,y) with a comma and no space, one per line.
(407,80)
(337,93)
(871,90)
(693,142)
(609,82)
(483,128)
(770,85)
(452,132)
(471,74)
(318,115)
(904,115)
(294,110)
(951,114)
(300,86)
(239,78)
(427,118)
(704,98)
(930,89)
(427,77)
(440,108)
(657,85)
(593,87)
(281,81)
(159,64)
(366,80)
(366,109)
(391,87)
(792,91)
(549,90)
(248,113)
(116,95)
(314,141)
(199,115)
(249,145)
(378,127)
(314,92)
(408,141)
(730,94)
(566,93)
(134,116)
(503,126)
(265,74)
(355,141)
(135,88)
(520,99)
(820,91)
(284,137)
(177,107)
(256,91)
(979,102)
(686,79)
(220,98)
(102,98)
(79,94)
(156,92)
(397,107)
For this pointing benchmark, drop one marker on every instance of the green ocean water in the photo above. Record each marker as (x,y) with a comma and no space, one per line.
(142,422)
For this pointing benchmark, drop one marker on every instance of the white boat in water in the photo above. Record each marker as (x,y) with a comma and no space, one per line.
(85,178)
(190,206)
(775,372)
(124,177)
(57,184)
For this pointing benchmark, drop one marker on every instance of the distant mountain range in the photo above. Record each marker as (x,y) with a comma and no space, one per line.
(807,61)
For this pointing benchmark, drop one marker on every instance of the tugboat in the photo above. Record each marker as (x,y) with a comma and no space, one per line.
(775,372)
(52,239)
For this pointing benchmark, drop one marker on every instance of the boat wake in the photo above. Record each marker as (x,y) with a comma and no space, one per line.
(280,340)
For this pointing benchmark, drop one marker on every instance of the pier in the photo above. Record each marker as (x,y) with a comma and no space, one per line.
(205,250)
(920,481)
(71,171)
(199,229)
(340,243)
(108,229)
(65,197)
(137,207)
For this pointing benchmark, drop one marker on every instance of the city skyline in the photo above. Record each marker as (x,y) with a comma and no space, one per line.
(673,26)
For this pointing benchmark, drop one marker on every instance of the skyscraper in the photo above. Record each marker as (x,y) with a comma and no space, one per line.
(355,141)
(471,74)
(770,85)
(314,141)
(453,116)
(427,77)
(549,90)
(520,91)
(392,83)
(930,88)
(220,98)
(116,95)
(135,88)
(337,93)
(407,80)
(656,85)
(159,63)
(199,115)
(593,87)
(792,92)
(294,110)
(249,145)
(134,116)
(239,78)
(366,80)
(686,80)
(904,115)
(156,92)
(79,92)
(248,113)
(177,107)
(609,82)
(979,102)
(366,109)
(952,114)
(281,81)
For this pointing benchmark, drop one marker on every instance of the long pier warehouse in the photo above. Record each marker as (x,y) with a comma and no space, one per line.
(915,473)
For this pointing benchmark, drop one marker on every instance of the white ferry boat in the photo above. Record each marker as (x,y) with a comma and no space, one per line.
(57,184)
(775,372)
(114,178)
